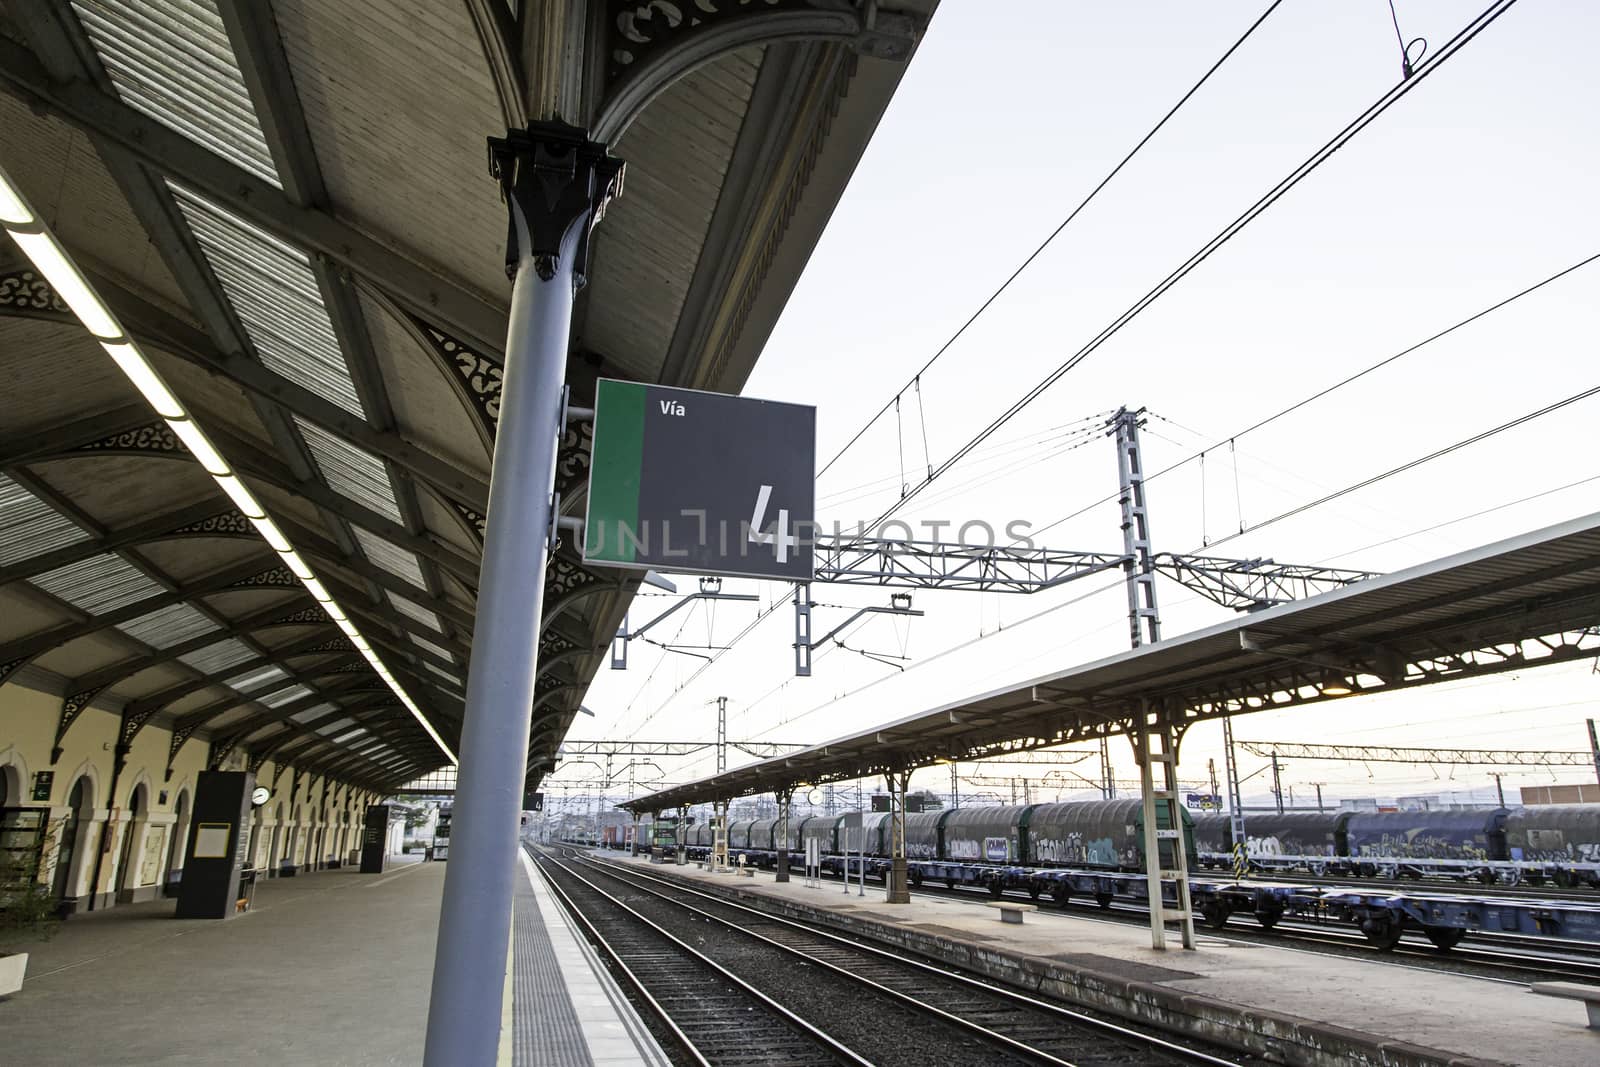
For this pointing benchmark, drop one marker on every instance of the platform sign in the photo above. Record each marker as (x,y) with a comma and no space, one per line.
(704,483)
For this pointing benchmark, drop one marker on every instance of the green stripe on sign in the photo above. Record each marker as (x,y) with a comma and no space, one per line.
(614,472)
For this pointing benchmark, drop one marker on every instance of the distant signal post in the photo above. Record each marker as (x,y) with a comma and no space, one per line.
(701,483)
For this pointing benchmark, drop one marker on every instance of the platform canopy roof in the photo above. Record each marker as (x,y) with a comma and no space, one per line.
(1522,602)
(289,204)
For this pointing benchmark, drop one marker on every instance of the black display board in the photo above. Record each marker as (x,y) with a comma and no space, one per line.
(218,840)
(375,839)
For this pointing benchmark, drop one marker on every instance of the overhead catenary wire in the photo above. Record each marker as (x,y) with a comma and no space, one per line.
(1411,464)
(1227,233)
(1231,440)
(1073,214)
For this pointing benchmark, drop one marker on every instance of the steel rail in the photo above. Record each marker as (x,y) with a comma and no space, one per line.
(830,1043)
(1033,1003)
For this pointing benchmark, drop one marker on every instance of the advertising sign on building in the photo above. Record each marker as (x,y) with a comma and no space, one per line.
(704,483)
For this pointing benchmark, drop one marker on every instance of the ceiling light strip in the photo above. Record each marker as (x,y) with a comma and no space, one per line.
(41,246)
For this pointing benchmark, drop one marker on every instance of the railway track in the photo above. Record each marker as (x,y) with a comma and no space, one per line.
(875,1005)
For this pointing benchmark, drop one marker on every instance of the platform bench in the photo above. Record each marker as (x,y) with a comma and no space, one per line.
(1011,912)
(1589,994)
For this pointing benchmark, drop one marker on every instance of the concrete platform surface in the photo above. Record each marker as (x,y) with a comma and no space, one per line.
(326,968)
(567,1009)
(1303,1006)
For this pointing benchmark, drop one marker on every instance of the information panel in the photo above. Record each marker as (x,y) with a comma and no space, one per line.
(701,483)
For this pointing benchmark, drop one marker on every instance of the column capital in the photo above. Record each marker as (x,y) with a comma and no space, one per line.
(552,175)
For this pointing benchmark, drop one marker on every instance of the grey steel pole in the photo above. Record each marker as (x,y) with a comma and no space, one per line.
(555,183)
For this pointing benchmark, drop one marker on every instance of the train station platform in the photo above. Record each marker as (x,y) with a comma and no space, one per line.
(1282,1004)
(326,968)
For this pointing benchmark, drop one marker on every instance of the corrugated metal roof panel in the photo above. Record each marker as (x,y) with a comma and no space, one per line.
(390,556)
(335,726)
(283,696)
(421,642)
(169,626)
(171,60)
(415,611)
(98,584)
(29,527)
(351,471)
(348,734)
(446,675)
(250,681)
(218,657)
(313,712)
(271,287)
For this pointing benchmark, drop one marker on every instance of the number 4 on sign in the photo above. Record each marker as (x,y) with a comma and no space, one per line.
(780,538)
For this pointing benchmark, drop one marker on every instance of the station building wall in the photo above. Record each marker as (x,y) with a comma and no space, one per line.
(309,823)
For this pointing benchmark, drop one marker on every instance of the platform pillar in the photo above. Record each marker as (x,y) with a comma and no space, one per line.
(1157,751)
(555,183)
(899,784)
(719,837)
(781,833)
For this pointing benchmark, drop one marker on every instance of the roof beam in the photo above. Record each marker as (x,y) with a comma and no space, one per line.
(379,258)
(249,624)
(35,644)
(152,529)
(66,437)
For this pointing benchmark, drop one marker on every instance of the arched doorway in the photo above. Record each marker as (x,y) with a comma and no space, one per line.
(69,859)
(132,843)
(180,843)
(10,786)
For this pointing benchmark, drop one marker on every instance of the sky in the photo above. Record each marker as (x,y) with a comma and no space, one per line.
(1476,185)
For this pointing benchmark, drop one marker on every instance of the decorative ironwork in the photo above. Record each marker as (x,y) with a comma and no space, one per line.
(227,524)
(572,459)
(25,290)
(313,614)
(480,376)
(221,750)
(271,578)
(642,32)
(474,519)
(337,644)
(10,667)
(351,668)
(180,734)
(156,437)
(71,709)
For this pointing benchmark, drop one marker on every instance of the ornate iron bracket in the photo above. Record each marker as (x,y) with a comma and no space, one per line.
(553,176)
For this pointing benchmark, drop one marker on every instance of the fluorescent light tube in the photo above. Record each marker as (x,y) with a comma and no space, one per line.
(68,283)
(199,446)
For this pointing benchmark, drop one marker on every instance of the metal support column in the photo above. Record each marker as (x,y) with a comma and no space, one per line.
(1108,781)
(1165,851)
(781,833)
(722,734)
(1239,843)
(802,630)
(556,183)
(1144,623)
(719,837)
(1594,747)
(1153,745)
(955,786)
(680,837)
(1277,781)
(899,785)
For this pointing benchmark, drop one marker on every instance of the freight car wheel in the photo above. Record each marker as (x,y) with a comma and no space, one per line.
(997,889)
(1061,895)
(1104,900)
(1383,931)
(1216,915)
(1444,938)
(915,876)
(1268,919)
(1033,892)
